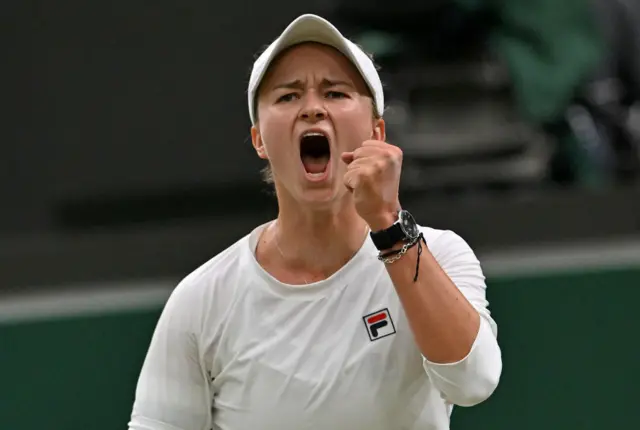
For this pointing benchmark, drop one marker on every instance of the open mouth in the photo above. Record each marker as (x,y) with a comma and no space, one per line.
(315,154)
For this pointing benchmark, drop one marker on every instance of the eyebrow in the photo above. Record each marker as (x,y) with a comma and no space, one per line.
(335,83)
(298,84)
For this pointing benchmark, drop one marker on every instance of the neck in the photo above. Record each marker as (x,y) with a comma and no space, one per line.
(319,241)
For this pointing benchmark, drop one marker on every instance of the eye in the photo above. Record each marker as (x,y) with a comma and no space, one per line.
(335,95)
(289,97)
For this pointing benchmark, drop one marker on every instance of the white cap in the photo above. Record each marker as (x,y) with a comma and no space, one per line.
(312,28)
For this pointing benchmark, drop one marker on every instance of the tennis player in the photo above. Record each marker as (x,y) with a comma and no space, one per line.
(343,313)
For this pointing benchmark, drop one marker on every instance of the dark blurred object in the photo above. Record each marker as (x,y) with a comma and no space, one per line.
(615,87)
(575,66)
(434,30)
(551,49)
(451,106)
(464,132)
(599,145)
(508,92)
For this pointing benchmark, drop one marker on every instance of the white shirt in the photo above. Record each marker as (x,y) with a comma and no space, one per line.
(235,349)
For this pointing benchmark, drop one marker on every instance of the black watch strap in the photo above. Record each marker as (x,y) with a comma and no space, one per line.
(386,239)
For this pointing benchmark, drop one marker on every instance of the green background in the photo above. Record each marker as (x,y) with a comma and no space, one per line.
(570,346)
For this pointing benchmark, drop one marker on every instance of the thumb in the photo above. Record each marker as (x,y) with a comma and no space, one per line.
(347,157)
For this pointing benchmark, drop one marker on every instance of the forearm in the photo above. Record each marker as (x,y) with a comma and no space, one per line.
(445,301)
(443,322)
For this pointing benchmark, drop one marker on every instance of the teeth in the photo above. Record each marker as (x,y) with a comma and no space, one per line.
(316,175)
(312,133)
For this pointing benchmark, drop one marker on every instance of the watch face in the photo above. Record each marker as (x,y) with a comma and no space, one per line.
(408,224)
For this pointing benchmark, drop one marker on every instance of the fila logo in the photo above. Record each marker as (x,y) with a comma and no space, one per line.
(379,324)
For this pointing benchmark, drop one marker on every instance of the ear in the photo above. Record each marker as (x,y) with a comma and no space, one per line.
(379,132)
(258,144)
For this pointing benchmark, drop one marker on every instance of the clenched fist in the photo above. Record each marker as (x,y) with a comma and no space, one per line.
(373,176)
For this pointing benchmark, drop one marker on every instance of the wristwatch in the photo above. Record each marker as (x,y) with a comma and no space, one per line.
(405,229)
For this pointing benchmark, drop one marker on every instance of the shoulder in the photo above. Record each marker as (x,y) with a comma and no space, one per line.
(459,262)
(448,248)
(219,267)
(443,240)
(211,285)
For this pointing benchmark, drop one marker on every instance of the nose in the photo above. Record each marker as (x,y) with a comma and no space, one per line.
(313,110)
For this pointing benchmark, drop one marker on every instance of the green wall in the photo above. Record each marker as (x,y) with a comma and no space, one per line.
(571,349)
(571,354)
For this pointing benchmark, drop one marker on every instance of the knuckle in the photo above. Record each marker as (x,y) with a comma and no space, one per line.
(379,166)
(396,158)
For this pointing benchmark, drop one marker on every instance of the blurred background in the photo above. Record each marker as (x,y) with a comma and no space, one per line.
(126,163)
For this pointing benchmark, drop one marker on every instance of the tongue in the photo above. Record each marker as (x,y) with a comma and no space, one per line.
(315,164)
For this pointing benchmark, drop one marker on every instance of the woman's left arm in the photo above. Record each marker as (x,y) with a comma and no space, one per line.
(447,311)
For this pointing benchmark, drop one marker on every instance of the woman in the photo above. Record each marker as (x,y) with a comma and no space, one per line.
(342,313)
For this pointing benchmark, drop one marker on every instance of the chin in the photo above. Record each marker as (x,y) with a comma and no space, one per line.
(319,197)
(323,197)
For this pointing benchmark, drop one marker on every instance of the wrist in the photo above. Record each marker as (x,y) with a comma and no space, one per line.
(382,221)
